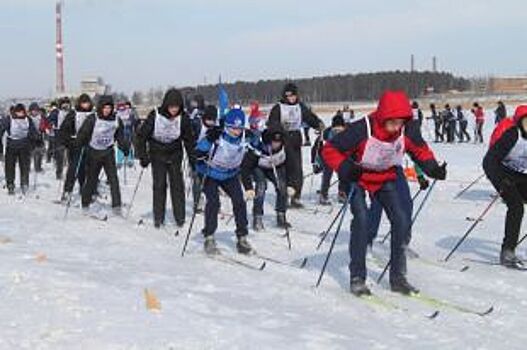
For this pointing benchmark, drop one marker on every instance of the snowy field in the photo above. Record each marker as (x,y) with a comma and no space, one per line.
(80,283)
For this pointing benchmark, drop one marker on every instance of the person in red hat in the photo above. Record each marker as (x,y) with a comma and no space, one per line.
(505,165)
(367,154)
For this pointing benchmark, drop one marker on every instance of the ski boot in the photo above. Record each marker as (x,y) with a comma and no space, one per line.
(210,246)
(258,223)
(358,287)
(117,211)
(65,197)
(281,221)
(296,204)
(24,189)
(402,286)
(324,200)
(508,258)
(11,190)
(243,246)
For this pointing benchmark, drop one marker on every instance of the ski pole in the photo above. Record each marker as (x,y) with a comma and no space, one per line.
(390,231)
(287,233)
(421,206)
(135,192)
(77,167)
(460,193)
(521,240)
(196,205)
(471,228)
(326,232)
(334,240)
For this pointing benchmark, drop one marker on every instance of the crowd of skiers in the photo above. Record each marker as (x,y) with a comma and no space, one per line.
(240,155)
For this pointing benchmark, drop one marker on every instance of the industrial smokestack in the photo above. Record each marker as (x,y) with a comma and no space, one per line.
(59,48)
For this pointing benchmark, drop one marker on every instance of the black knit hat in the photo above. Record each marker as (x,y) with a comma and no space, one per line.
(210,113)
(338,120)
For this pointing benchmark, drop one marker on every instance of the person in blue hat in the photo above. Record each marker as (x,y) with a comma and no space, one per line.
(219,158)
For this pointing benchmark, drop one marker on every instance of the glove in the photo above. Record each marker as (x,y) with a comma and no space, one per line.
(214,134)
(439,172)
(144,162)
(291,191)
(249,195)
(350,170)
(317,169)
(423,183)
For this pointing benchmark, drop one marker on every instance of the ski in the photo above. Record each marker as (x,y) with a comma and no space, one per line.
(300,265)
(496,263)
(234,261)
(438,303)
(142,223)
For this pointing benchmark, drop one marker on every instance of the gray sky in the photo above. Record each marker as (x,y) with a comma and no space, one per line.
(138,44)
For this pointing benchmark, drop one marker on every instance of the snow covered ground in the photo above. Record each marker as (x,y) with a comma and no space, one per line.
(80,283)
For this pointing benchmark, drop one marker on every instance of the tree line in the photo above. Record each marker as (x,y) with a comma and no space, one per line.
(336,88)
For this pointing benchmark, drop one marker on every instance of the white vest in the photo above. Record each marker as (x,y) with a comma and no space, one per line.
(380,155)
(166,130)
(18,129)
(103,136)
(517,158)
(80,117)
(228,155)
(271,161)
(291,116)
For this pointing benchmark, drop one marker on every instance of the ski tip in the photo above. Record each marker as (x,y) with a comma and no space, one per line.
(488,311)
(140,222)
(433,315)
(176,233)
(262,266)
(464,268)
(304,263)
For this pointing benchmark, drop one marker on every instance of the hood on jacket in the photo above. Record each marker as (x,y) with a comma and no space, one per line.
(392,105)
(84,98)
(104,100)
(520,113)
(173,97)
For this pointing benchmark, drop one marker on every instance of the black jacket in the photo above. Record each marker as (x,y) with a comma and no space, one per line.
(294,138)
(146,145)
(492,162)
(85,133)
(27,142)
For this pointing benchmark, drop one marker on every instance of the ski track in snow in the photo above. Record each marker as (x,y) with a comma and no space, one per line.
(79,283)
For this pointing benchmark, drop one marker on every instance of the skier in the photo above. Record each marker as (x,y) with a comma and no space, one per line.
(127,115)
(417,113)
(290,112)
(76,155)
(220,155)
(368,153)
(56,118)
(338,125)
(479,115)
(97,135)
(53,108)
(266,160)
(500,112)
(449,121)
(463,123)
(37,116)
(160,141)
(201,125)
(21,135)
(506,167)
(438,123)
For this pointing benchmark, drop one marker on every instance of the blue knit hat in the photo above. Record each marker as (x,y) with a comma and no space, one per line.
(235,119)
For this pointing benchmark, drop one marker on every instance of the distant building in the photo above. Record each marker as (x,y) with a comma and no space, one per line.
(94,86)
(508,85)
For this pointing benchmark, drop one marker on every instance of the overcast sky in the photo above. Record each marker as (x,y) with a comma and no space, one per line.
(137,44)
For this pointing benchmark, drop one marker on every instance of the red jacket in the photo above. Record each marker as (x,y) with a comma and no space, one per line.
(352,142)
(480,115)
